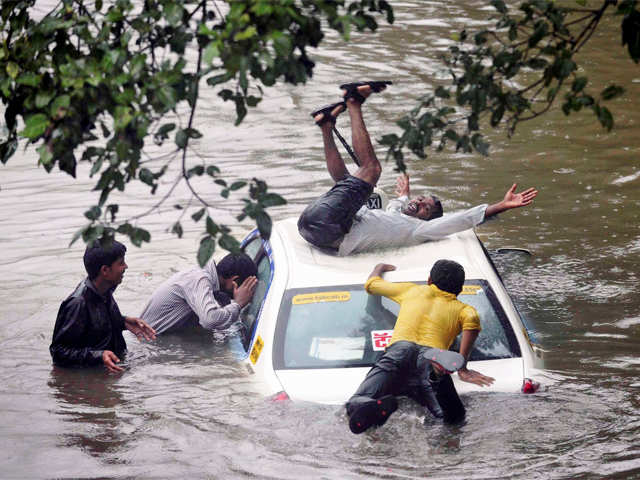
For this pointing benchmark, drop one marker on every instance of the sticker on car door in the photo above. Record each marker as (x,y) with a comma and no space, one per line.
(256,350)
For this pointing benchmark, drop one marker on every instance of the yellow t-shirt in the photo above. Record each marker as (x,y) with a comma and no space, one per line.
(428,316)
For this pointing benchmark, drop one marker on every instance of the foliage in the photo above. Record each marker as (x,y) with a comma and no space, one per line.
(94,81)
(511,73)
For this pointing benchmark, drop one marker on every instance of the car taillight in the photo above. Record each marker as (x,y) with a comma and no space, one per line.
(530,386)
(280,397)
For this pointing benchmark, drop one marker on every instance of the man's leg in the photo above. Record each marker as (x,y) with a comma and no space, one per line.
(370,168)
(423,384)
(373,402)
(335,164)
(448,398)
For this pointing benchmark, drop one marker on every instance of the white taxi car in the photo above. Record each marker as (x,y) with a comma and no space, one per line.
(312,332)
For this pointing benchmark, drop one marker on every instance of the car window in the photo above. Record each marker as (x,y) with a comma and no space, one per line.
(253,247)
(251,312)
(346,327)
(496,340)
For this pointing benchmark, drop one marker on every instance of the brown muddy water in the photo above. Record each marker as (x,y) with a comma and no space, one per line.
(185,409)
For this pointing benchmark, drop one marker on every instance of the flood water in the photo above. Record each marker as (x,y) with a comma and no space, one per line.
(185,409)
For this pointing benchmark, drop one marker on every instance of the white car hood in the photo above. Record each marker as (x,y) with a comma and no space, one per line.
(335,386)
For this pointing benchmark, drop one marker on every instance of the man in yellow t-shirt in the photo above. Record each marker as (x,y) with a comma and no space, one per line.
(430,317)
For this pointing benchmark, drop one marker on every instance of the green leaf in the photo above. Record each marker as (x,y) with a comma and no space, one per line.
(173,13)
(264,224)
(212,170)
(631,34)
(167,96)
(197,170)
(43,98)
(229,243)
(612,91)
(605,117)
(12,70)
(272,200)
(500,6)
(579,83)
(93,213)
(146,176)
(237,185)
(139,235)
(212,227)
(198,215)
(7,149)
(181,139)
(207,247)
(209,54)
(480,145)
(497,114)
(442,92)
(35,126)
(192,133)
(29,79)
(46,157)
(177,229)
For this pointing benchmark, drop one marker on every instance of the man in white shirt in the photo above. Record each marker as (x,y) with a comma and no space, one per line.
(340,221)
(211,297)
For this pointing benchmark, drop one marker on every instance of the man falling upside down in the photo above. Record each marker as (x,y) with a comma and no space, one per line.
(340,221)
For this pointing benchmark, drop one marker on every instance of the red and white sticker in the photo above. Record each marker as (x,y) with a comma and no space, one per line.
(380,339)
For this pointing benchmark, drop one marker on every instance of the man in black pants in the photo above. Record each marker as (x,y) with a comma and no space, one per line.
(416,362)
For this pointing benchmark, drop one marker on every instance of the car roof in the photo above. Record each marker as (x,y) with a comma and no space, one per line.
(309,266)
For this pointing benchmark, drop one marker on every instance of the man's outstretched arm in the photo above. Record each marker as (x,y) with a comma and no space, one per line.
(464,374)
(512,200)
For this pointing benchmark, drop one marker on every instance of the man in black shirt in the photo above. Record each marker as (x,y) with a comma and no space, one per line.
(89,325)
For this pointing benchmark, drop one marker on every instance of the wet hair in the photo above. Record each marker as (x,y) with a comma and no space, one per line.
(448,276)
(437,211)
(237,264)
(96,255)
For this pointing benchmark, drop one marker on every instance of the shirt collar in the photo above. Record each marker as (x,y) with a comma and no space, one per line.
(93,288)
(442,293)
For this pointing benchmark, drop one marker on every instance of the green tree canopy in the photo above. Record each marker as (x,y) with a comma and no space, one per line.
(92,81)
(97,81)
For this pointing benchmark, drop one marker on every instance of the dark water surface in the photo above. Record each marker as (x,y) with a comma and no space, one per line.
(185,409)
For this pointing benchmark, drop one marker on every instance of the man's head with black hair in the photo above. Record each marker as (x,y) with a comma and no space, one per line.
(448,276)
(96,256)
(423,207)
(236,266)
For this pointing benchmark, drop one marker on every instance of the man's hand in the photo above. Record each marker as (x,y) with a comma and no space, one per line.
(380,268)
(471,376)
(522,199)
(110,359)
(139,328)
(512,200)
(242,295)
(402,185)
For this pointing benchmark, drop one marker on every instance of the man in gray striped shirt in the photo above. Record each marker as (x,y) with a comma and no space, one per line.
(197,296)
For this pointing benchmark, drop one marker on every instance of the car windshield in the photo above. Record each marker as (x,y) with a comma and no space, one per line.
(346,327)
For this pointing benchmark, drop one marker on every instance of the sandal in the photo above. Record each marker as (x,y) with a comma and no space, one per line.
(326,112)
(352,89)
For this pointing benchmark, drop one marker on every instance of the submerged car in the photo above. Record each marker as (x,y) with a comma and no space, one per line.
(312,332)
